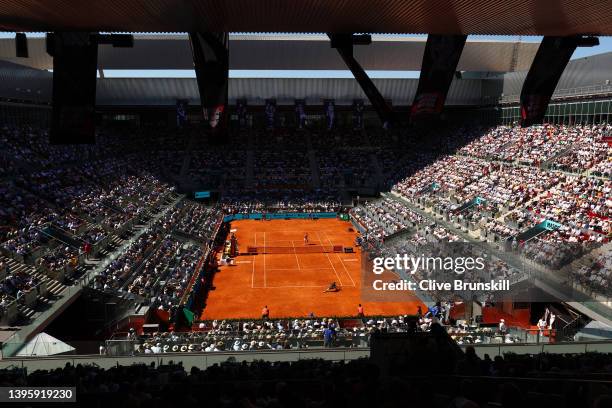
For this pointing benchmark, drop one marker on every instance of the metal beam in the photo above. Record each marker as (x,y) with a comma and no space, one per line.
(343,43)
(211,62)
(548,65)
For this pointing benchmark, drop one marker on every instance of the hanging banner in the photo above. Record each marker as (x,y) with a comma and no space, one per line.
(358,107)
(549,63)
(181,112)
(241,111)
(270,113)
(211,63)
(440,59)
(330,113)
(300,113)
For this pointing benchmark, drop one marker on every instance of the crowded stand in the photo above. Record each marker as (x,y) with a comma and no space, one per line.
(504,200)
(198,221)
(15,285)
(506,381)
(551,249)
(65,258)
(164,277)
(589,151)
(489,144)
(397,164)
(346,167)
(253,335)
(451,173)
(120,269)
(29,145)
(498,229)
(113,201)
(29,235)
(92,200)
(532,146)
(324,141)
(383,218)
(265,207)
(302,333)
(274,169)
(288,139)
(236,202)
(508,187)
(23,242)
(603,168)
(582,205)
(158,267)
(595,273)
(218,168)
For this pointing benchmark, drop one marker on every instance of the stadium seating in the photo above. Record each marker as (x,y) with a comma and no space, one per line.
(541,192)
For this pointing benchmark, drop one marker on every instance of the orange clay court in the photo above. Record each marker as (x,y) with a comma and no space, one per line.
(293,284)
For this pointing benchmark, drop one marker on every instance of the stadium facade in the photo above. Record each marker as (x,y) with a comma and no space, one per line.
(137,192)
(491,75)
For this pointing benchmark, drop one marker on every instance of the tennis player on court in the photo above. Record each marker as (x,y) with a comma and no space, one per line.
(305,238)
(333,287)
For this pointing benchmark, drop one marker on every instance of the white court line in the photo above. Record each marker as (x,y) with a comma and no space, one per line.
(346,270)
(338,256)
(295,253)
(265,282)
(330,262)
(241,262)
(290,286)
(310,240)
(253,274)
(303,269)
(286,231)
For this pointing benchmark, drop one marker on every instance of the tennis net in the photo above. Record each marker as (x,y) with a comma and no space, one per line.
(308,249)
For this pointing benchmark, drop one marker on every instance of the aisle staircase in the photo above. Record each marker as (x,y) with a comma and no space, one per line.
(62,236)
(540,229)
(469,204)
(314,168)
(378,173)
(250,166)
(60,296)
(55,289)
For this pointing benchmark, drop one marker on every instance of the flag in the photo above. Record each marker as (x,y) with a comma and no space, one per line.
(188,315)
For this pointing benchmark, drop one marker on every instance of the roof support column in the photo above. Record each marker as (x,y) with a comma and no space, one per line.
(211,63)
(75,62)
(343,43)
(549,63)
(440,59)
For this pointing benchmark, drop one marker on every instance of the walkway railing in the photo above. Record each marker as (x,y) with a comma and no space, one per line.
(201,360)
(584,91)
(204,360)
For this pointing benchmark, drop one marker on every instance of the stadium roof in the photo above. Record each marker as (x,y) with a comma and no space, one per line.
(555,17)
(290,52)
(23,83)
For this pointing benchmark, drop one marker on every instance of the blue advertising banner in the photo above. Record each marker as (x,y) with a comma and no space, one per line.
(201,194)
(278,216)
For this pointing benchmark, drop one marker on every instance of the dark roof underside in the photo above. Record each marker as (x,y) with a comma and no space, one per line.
(505,17)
